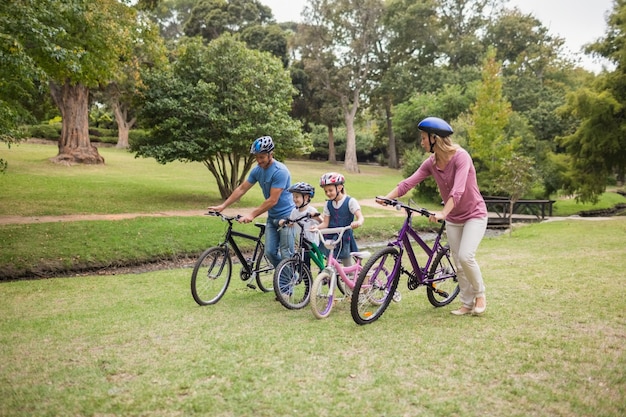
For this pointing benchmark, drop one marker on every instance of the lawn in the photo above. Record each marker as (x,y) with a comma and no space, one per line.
(550,344)
(33,186)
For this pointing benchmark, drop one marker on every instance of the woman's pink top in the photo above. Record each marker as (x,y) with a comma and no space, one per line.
(456,180)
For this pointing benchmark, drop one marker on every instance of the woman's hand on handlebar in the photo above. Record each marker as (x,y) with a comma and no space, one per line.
(436,217)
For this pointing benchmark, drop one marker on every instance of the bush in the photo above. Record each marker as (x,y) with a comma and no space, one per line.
(44,131)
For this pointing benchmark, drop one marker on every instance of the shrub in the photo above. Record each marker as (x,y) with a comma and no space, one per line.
(44,131)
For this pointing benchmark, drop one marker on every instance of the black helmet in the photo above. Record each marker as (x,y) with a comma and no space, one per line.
(302,188)
(435,125)
(264,144)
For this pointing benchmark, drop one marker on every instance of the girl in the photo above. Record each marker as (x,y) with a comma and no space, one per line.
(340,210)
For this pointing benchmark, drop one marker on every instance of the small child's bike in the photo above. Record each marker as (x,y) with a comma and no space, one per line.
(379,277)
(292,277)
(323,291)
(213,269)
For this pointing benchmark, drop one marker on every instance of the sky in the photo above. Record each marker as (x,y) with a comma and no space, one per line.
(577,21)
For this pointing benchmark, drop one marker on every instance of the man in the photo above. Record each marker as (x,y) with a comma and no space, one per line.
(274,179)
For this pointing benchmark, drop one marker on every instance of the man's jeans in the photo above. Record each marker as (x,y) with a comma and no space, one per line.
(278,244)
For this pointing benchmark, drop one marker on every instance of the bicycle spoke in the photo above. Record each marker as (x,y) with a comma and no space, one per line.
(211,276)
(375,287)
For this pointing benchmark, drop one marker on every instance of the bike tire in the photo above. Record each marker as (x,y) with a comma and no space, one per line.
(264,272)
(375,286)
(441,293)
(211,276)
(321,298)
(292,283)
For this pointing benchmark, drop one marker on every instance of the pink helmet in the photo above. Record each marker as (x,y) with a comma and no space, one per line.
(332,178)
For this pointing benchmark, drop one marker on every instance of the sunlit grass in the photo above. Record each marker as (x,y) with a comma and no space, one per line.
(550,344)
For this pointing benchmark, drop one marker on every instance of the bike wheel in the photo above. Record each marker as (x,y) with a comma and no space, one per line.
(292,283)
(375,286)
(321,297)
(264,271)
(443,291)
(211,276)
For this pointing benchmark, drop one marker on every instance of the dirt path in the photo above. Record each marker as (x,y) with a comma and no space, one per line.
(186,213)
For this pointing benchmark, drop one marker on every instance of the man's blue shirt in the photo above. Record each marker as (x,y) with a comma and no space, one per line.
(275,176)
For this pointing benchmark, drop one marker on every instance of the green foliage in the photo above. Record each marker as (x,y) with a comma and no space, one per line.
(598,148)
(365,143)
(44,131)
(427,190)
(212,104)
(448,103)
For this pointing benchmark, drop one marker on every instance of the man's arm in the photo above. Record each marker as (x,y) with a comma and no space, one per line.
(267,204)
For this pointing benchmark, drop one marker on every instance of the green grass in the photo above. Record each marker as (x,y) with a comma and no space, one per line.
(33,186)
(550,344)
(569,206)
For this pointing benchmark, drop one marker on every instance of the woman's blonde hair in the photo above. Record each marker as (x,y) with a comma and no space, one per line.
(444,145)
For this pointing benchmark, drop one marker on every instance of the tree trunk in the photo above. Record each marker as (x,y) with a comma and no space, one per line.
(74,144)
(123,126)
(511,216)
(391,148)
(349,111)
(332,153)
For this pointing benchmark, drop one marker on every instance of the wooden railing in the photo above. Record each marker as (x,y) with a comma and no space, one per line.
(500,206)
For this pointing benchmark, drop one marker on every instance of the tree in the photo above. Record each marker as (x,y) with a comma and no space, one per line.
(120,94)
(597,149)
(212,104)
(313,105)
(252,20)
(515,177)
(406,38)
(19,79)
(78,44)
(337,47)
(490,113)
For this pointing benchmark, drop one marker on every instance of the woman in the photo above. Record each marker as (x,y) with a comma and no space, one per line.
(464,208)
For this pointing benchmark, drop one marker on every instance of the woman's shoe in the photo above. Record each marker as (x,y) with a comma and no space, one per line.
(462,311)
(480,310)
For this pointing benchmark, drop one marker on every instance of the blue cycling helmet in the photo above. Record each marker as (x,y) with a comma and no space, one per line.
(302,188)
(435,126)
(264,144)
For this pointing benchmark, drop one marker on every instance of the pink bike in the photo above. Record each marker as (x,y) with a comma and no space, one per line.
(334,275)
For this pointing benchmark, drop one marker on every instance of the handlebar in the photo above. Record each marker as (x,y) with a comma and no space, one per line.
(399,206)
(304,216)
(330,244)
(223,216)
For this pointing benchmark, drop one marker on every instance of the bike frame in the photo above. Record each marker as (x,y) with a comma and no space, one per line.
(305,245)
(333,266)
(230,243)
(403,244)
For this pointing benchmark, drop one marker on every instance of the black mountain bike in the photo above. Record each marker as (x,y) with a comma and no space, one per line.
(213,269)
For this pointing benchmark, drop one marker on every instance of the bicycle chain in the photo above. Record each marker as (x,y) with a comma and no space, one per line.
(412,282)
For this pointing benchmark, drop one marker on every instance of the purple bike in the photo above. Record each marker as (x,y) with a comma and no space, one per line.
(378,280)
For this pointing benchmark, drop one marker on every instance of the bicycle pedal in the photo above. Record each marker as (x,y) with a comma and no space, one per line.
(251,286)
